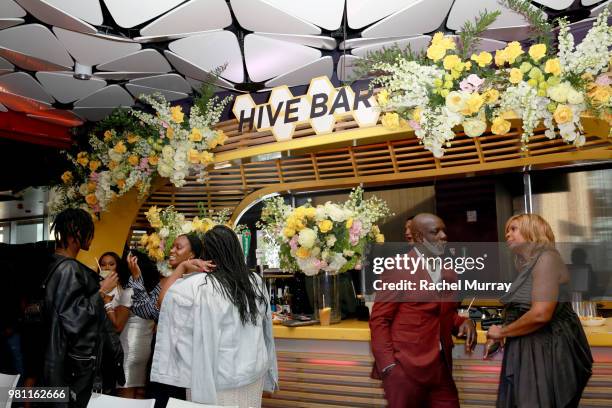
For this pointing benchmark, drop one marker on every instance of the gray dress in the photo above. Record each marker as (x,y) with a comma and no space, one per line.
(546,368)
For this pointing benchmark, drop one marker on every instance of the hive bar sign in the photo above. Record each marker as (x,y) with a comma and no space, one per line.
(322,106)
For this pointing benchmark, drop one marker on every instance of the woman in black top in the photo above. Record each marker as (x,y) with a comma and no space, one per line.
(547,360)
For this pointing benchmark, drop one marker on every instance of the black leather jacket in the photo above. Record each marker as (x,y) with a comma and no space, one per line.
(82,341)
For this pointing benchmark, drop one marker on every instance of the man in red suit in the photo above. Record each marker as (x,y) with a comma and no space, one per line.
(412,339)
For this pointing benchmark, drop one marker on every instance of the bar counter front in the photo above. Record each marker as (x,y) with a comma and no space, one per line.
(329,366)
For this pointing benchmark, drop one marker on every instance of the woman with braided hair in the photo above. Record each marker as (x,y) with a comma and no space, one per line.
(215,329)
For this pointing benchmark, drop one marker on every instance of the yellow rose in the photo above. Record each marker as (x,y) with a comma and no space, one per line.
(325,226)
(491,96)
(170,133)
(383,97)
(153,160)
(302,253)
(468,65)
(143,239)
(177,114)
(516,75)
(500,126)
(513,51)
(91,199)
(537,51)
(206,157)
(600,94)
(436,52)
(553,66)
(67,177)
(94,165)
(112,165)
(108,135)
(455,101)
(213,143)
(474,127)
(483,59)
(563,114)
(451,61)
(445,42)
(195,135)
(380,238)
(133,160)
(289,232)
(473,104)
(194,156)
(132,138)
(349,223)
(221,137)
(82,159)
(501,57)
(416,114)
(91,186)
(120,148)
(311,212)
(121,183)
(391,121)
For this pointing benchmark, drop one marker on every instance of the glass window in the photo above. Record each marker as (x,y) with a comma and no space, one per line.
(29,231)
(5,233)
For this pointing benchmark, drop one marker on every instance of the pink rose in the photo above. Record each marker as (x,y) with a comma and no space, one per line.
(294,242)
(414,124)
(466,86)
(603,80)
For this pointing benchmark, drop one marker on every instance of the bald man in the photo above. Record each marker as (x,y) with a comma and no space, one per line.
(412,340)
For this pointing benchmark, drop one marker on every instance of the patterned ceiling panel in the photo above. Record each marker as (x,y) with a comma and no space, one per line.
(89,56)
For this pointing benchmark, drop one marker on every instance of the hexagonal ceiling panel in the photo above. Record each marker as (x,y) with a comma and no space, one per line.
(130,47)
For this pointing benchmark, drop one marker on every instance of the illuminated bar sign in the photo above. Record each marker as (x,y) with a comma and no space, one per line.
(322,105)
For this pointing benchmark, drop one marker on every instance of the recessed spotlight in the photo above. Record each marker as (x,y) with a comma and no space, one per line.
(82,72)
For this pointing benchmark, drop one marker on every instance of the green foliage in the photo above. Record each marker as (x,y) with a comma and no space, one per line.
(363,66)
(207,90)
(539,25)
(471,31)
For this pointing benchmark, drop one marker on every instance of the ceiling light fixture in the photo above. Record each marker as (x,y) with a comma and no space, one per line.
(82,72)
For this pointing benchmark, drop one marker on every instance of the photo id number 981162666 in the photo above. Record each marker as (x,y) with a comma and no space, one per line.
(37,394)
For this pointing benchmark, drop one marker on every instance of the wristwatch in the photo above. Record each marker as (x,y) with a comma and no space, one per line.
(388,369)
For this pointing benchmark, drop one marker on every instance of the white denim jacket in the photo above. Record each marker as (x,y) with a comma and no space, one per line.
(202,344)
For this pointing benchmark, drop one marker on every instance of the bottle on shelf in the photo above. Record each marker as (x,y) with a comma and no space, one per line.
(279,300)
(287,300)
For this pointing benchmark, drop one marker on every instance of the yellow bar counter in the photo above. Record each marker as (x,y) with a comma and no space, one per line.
(330,366)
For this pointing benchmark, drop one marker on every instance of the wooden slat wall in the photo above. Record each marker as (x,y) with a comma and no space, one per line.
(343,381)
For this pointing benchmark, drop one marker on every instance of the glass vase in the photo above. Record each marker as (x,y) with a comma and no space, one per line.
(326,297)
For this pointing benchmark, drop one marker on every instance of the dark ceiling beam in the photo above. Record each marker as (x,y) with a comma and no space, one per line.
(17,126)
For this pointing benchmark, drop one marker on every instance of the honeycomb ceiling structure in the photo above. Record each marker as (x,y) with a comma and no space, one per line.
(68,61)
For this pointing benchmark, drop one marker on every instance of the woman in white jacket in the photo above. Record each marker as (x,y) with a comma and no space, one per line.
(215,329)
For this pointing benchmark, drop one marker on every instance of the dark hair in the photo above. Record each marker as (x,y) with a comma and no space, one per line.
(148,269)
(194,242)
(236,282)
(75,223)
(123,272)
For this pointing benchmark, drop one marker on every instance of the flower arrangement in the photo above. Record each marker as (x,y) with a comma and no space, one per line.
(169,224)
(329,237)
(450,85)
(130,148)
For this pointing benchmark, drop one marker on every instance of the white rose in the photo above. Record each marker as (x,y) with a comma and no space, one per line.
(167,152)
(187,227)
(336,213)
(164,232)
(559,93)
(331,240)
(308,266)
(574,97)
(337,262)
(315,252)
(113,155)
(474,127)
(455,101)
(348,252)
(83,190)
(307,238)
(320,213)
(164,170)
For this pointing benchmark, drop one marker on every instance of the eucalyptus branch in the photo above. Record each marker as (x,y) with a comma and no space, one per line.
(471,31)
(537,20)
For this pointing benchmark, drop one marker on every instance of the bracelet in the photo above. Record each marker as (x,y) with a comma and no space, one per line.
(108,306)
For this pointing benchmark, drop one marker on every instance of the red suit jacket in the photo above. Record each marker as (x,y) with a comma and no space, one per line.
(410,332)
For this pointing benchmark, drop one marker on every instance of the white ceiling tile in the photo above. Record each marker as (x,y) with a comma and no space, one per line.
(148,60)
(590,2)
(92,50)
(87,10)
(193,16)
(598,9)
(364,42)
(65,88)
(421,16)
(464,10)
(303,75)
(170,82)
(122,76)
(316,41)
(20,83)
(37,41)
(266,58)
(555,4)
(516,33)
(137,91)
(93,114)
(52,15)
(111,96)
(361,13)
(345,69)
(324,13)
(220,84)
(130,13)
(8,8)
(10,22)
(258,15)
(417,44)
(210,51)
(3,108)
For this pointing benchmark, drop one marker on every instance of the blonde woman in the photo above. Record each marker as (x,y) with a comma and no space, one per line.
(547,360)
